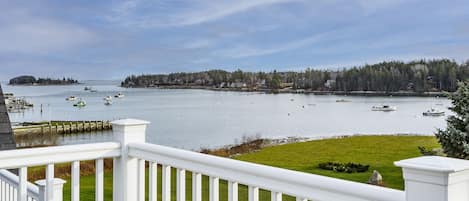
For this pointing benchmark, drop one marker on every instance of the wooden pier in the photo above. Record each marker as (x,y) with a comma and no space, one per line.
(62,127)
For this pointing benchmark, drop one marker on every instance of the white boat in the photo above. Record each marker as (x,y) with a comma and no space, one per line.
(107,98)
(342,101)
(433,112)
(384,108)
(108,102)
(71,98)
(119,95)
(80,103)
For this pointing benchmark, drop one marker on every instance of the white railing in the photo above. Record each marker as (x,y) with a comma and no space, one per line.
(9,184)
(426,178)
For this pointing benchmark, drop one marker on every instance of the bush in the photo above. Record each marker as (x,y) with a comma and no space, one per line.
(455,139)
(344,167)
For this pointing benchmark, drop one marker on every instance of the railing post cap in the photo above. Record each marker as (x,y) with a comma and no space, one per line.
(129,122)
(435,164)
(57,181)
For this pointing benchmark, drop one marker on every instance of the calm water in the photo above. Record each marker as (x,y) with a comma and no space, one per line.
(197,118)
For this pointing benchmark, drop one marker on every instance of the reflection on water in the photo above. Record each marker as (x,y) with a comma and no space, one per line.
(47,139)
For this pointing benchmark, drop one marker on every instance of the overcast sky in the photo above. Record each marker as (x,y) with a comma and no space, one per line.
(103,39)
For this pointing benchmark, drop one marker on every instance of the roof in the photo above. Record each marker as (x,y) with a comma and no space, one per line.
(6,133)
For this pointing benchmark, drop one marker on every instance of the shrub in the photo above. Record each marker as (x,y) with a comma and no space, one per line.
(344,167)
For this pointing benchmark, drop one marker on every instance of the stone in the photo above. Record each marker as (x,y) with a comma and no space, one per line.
(376,179)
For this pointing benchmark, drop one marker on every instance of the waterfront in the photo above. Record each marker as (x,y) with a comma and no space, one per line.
(192,119)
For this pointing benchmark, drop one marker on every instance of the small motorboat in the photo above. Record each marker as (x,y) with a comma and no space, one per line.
(119,95)
(343,101)
(434,112)
(384,108)
(71,98)
(108,102)
(107,98)
(80,103)
(88,88)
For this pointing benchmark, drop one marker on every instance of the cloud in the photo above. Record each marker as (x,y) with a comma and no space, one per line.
(23,32)
(188,13)
(250,51)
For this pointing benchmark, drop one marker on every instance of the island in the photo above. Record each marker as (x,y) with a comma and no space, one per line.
(415,78)
(31,80)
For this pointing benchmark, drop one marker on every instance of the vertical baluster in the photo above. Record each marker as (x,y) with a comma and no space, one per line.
(232,191)
(166,188)
(153,182)
(141,180)
(181,185)
(276,196)
(214,190)
(50,182)
(7,190)
(75,181)
(196,186)
(253,193)
(22,185)
(99,181)
(301,199)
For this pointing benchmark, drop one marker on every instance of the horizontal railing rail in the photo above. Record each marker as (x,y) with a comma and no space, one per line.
(12,180)
(312,187)
(50,155)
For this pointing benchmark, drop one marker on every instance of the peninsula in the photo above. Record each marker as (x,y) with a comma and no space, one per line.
(416,78)
(31,80)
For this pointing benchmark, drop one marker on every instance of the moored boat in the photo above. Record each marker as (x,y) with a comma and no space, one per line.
(108,102)
(119,95)
(80,103)
(433,112)
(107,98)
(343,101)
(71,98)
(384,108)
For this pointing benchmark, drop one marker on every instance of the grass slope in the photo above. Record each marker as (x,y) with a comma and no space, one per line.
(377,151)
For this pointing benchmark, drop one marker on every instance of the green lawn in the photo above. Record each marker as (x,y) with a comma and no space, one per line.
(378,151)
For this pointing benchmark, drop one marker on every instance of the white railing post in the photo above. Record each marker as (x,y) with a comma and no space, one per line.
(57,190)
(434,178)
(125,172)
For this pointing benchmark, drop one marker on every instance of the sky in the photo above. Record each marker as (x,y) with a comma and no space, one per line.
(107,39)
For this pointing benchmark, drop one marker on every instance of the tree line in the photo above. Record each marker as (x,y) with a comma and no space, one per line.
(415,76)
(31,80)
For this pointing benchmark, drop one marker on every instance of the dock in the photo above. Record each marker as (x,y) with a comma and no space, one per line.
(61,127)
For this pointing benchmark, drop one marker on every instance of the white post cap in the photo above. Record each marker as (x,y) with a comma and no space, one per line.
(435,178)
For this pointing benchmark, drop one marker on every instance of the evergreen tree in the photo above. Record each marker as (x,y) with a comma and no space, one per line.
(455,139)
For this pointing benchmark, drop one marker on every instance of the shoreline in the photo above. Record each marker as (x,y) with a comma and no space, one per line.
(256,143)
(308,92)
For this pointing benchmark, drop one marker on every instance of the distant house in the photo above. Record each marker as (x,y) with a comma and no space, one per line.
(238,85)
(330,84)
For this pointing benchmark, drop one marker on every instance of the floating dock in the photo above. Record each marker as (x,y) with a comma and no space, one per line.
(61,127)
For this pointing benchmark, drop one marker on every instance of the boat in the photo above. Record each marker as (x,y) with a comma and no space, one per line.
(384,108)
(342,101)
(80,103)
(93,90)
(108,102)
(433,112)
(71,98)
(107,98)
(119,95)
(88,88)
